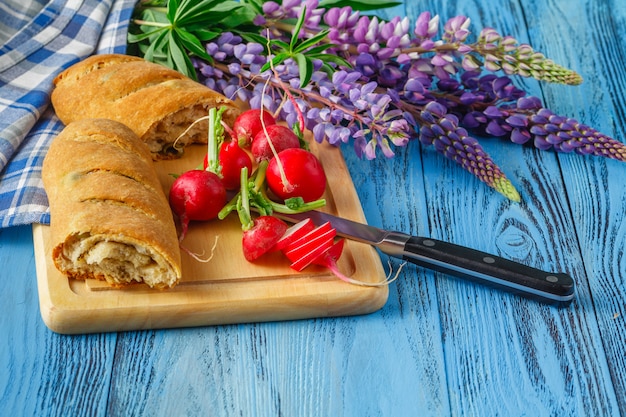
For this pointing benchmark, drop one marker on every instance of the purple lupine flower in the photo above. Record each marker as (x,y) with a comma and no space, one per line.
(441,130)
(402,83)
(456,29)
(564,134)
(426,27)
(503,53)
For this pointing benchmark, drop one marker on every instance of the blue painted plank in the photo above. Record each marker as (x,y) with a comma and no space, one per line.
(495,342)
(440,346)
(44,373)
(595,186)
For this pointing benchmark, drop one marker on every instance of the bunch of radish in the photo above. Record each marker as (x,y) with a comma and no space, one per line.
(284,169)
(287,178)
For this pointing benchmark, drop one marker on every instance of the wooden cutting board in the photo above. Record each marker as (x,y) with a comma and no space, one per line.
(226,289)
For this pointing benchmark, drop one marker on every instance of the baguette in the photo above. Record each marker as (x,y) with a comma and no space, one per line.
(157,103)
(109,216)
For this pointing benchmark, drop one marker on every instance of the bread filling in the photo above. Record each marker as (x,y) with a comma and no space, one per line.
(117,262)
(171,134)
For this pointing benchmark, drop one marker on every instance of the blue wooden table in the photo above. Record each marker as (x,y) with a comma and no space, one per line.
(440,346)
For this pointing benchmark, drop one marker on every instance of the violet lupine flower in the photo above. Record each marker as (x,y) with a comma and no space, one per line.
(456,29)
(440,129)
(399,81)
(526,121)
(426,28)
(563,134)
(340,22)
(504,53)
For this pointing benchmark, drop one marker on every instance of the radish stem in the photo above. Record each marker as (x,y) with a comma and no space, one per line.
(215,139)
(243,202)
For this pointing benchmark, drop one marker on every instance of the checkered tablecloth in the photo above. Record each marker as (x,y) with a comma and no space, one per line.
(37,41)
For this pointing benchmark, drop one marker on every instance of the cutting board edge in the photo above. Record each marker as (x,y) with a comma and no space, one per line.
(65,312)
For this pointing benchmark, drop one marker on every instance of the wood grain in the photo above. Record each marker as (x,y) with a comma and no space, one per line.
(440,346)
(596,189)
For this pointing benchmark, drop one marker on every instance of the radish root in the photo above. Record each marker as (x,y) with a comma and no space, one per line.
(198,256)
(332,265)
(174,145)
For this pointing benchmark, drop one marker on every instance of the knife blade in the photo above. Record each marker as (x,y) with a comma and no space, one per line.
(449,258)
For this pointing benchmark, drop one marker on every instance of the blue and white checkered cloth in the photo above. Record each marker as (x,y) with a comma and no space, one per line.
(38,39)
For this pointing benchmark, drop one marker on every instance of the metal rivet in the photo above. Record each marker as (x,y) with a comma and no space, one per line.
(428,242)
(489,260)
(552,278)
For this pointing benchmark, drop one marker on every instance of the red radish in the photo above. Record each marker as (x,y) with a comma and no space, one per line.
(262,237)
(248,124)
(294,233)
(331,256)
(281,138)
(196,195)
(300,247)
(261,234)
(303,172)
(231,159)
(329,260)
(317,247)
(303,251)
(310,235)
(304,255)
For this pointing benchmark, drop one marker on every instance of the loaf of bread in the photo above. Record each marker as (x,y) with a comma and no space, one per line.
(157,103)
(109,216)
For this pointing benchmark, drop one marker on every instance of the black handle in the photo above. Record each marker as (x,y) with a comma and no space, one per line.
(490,270)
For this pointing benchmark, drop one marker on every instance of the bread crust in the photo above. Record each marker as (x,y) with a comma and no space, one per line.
(110,218)
(156,102)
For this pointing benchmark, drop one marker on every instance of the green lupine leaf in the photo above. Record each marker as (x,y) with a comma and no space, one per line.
(190,8)
(205,35)
(173,6)
(208,13)
(154,3)
(134,38)
(190,42)
(307,43)
(316,50)
(253,37)
(332,58)
(151,15)
(177,58)
(175,53)
(297,28)
(327,69)
(193,24)
(274,61)
(280,44)
(239,17)
(360,5)
(256,5)
(305,66)
(157,45)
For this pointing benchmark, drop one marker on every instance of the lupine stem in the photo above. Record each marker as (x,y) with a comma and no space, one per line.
(311,95)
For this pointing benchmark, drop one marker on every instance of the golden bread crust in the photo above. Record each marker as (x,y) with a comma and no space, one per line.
(110,218)
(156,102)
